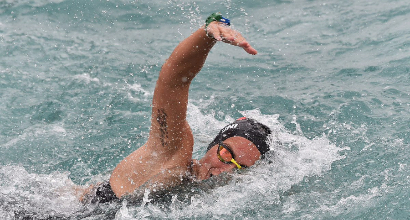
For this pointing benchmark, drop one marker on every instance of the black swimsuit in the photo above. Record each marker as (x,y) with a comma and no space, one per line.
(104,193)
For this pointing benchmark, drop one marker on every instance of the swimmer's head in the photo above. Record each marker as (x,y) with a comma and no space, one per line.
(247,128)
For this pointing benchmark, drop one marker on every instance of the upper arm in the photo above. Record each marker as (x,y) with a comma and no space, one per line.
(169,127)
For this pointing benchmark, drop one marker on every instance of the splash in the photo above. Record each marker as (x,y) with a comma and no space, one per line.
(24,194)
(293,158)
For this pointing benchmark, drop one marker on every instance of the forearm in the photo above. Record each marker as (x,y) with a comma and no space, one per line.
(186,60)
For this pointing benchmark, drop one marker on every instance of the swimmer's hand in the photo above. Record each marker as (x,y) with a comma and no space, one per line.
(83,194)
(224,33)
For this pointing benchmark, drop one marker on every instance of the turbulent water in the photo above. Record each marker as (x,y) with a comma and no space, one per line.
(331,80)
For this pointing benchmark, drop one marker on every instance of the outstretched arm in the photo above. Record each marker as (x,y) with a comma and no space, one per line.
(168,152)
(171,93)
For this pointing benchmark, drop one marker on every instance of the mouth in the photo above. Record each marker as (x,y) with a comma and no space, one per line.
(209,174)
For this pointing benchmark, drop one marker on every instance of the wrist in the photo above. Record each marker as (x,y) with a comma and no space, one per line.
(215,17)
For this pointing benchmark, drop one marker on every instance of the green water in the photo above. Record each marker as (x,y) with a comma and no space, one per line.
(331,80)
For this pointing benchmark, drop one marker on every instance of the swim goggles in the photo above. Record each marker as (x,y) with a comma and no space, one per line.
(225,155)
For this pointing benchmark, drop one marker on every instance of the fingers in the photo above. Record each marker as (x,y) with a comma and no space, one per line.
(248,48)
(228,35)
(213,31)
(236,39)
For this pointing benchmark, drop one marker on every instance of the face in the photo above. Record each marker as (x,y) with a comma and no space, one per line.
(245,154)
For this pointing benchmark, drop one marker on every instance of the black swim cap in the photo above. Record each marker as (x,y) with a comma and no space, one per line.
(247,128)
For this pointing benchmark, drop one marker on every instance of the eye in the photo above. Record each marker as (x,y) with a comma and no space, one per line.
(225,154)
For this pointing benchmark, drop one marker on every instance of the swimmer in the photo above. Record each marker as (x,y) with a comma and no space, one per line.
(165,160)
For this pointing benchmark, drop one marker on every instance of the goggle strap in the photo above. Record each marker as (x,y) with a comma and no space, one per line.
(237,165)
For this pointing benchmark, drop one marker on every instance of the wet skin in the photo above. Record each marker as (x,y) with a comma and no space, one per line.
(164,161)
(245,153)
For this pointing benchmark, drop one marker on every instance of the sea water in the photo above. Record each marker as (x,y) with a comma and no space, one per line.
(330,79)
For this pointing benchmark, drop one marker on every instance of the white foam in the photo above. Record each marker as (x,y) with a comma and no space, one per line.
(207,127)
(36,131)
(353,202)
(39,195)
(293,157)
(135,92)
(137,87)
(86,78)
(37,3)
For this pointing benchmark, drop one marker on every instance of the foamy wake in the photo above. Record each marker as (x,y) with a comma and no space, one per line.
(293,157)
(36,195)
